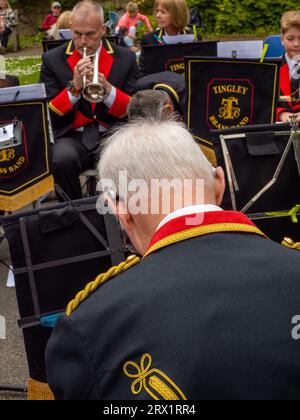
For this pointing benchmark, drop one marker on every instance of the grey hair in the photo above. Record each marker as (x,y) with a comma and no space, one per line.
(88,5)
(152,149)
(148,104)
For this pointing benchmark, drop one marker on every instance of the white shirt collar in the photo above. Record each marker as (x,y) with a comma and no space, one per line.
(291,63)
(198,208)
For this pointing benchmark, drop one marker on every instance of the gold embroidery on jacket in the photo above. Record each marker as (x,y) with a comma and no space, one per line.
(158,386)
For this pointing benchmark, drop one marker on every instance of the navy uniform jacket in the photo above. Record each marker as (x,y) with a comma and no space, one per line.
(116,63)
(209,317)
(285,90)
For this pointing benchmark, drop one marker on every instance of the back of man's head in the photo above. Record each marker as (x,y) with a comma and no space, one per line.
(154,104)
(154,150)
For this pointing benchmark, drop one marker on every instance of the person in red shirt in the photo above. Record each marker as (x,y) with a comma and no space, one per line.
(51,19)
(132,17)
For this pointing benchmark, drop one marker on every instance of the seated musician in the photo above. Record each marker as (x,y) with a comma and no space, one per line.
(290,69)
(207,313)
(172,18)
(78,123)
(156,104)
(172,83)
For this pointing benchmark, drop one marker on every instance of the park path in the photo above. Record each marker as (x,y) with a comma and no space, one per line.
(26,52)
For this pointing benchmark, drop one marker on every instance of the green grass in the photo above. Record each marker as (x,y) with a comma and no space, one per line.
(27,69)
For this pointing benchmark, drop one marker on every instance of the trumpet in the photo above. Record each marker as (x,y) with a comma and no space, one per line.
(93,92)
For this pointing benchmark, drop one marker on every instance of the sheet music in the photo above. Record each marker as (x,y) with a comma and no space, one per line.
(2,328)
(6,133)
(22,93)
(178,39)
(65,34)
(10,282)
(240,49)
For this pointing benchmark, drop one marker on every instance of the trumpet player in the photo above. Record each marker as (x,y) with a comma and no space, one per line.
(89,82)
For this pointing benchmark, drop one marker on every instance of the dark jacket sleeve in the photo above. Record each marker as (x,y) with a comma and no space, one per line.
(68,364)
(63,117)
(147,39)
(132,76)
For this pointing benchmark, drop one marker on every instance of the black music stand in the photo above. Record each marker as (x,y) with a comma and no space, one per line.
(157,58)
(55,252)
(262,167)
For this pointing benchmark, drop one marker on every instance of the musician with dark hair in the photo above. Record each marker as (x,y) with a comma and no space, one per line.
(79,123)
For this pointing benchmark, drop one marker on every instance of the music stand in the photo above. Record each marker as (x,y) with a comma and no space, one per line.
(262,167)
(55,252)
(171,57)
(54,43)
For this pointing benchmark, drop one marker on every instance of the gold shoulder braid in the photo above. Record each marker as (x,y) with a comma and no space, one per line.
(102,278)
(289,243)
(155,382)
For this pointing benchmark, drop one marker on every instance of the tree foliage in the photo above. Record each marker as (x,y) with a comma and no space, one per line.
(220,16)
(246,16)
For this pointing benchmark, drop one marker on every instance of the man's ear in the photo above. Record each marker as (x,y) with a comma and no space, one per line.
(168,109)
(219,185)
(120,210)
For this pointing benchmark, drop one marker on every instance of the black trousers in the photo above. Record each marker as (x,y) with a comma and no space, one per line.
(4,37)
(69,158)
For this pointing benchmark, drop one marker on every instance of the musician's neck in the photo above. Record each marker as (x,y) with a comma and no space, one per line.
(171,31)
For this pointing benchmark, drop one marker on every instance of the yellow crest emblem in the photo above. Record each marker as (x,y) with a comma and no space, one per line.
(156,383)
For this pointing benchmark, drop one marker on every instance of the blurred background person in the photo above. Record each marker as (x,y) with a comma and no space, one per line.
(52,17)
(126,40)
(63,22)
(7,20)
(172,17)
(132,18)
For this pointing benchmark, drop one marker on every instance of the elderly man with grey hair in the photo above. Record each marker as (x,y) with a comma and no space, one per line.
(206,314)
(79,123)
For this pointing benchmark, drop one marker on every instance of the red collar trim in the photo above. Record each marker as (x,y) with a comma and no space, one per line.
(208,218)
(285,83)
(73,59)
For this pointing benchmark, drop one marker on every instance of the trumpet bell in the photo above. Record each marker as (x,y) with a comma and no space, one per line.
(94,92)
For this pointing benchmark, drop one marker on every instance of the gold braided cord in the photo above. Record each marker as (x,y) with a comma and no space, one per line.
(289,243)
(102,278)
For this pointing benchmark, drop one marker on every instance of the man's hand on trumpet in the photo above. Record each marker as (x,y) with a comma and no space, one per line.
(285,117)
(84,69)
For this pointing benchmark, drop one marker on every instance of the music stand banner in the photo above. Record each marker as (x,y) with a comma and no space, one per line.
(224,93)
(159,58)
(50,44)
(25,173)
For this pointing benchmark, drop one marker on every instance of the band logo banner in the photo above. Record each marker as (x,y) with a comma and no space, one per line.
(229,103)
(25,173)
(224,93)
(158,58)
